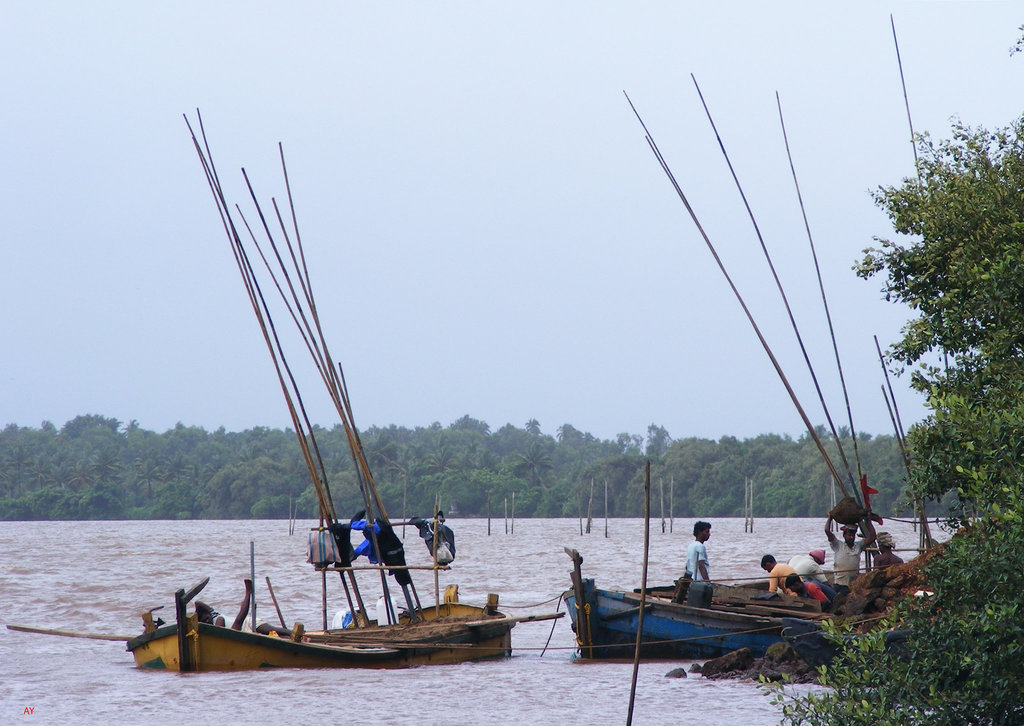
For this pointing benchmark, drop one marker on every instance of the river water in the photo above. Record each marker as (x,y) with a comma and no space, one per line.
(97,577)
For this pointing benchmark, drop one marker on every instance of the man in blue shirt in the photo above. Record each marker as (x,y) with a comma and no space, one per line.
(697,553)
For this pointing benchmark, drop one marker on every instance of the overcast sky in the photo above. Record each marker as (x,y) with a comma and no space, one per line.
(487,229)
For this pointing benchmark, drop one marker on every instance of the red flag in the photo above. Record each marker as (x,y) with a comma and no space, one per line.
(867,492)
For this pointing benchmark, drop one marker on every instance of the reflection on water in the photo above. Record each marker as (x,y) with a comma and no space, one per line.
(98,576)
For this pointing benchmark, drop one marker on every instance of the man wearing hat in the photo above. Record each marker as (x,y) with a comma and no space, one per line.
(846,553)
(885,557)
(809,566)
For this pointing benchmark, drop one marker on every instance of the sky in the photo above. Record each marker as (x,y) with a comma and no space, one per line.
(487,230)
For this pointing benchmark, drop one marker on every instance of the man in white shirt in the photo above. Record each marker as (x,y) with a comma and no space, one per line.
(846,553)
(809,566)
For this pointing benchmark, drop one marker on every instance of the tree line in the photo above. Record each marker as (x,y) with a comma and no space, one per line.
(95,467)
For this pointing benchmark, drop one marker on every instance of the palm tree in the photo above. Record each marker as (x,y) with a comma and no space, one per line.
(534,463)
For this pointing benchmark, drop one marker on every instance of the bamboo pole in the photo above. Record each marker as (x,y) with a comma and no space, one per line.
(775,276)
(906,100)
(277,607)
(750,318)
(828,314)
(643,589)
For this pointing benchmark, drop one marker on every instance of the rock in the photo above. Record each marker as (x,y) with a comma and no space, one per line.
(782,653)
(695,668)
(856,604)
(676,673)
(871,580)
(721,667)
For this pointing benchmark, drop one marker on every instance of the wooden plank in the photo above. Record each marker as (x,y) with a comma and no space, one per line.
(516,619)
(624,613)
(71,633)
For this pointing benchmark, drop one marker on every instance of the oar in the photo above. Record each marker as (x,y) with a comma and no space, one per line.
(69,633)
(194,590)
(276,606)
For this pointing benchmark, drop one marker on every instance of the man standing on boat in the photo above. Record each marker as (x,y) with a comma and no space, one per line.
(846,553)
(697,553)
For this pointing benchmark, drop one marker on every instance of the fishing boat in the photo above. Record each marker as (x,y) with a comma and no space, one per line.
(448,633)
(436,633)
(708,624)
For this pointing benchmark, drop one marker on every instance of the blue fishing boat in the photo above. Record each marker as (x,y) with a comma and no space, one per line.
(606,622)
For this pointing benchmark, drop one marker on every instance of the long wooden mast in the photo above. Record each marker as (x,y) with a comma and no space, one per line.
(782,294)
(750,318)
(289,274)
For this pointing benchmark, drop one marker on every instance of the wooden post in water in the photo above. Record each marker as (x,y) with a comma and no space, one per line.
(488,514)
(606,508)
(748,505)
(661,489)
(513,512)
(590,506)
(579,509)
(506,515)
(671,502)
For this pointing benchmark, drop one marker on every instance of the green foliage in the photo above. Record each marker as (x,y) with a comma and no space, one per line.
(96,468)
(966,657)
(961,272)
(960,269)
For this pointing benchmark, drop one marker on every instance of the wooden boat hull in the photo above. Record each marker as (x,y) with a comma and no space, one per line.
(462,633)
(670,630)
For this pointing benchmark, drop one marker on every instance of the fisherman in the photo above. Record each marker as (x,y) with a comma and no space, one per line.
(885,557)
(846,553)
(208,615)
(445,551)
(799,588)
(696,562)
(697,553)
(777,572)
(809,565)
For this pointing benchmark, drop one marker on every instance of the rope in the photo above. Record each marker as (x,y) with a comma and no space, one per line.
(557,608)
(503,606)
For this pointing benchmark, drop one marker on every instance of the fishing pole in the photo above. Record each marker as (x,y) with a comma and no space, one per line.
(778,283)
(906,100)
(322,360)
(901,438)
(824,300)
(885,373)
(750,318)
(254,293)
